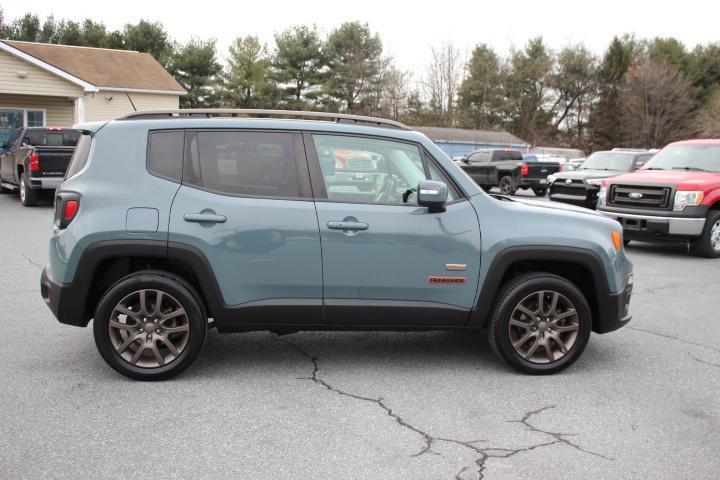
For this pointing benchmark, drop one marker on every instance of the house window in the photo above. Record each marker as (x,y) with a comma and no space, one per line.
(35,118)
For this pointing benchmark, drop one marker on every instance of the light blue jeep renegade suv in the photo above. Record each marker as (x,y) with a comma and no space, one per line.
(289,221)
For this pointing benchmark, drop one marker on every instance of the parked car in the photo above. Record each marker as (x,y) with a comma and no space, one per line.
(241,220)
(35,159)
(508,170)
(580,187)
(675,196)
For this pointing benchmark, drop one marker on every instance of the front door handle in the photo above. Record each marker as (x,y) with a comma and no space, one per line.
(348,225)
(204,218)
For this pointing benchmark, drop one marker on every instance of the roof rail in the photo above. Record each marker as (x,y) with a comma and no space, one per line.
(251,112)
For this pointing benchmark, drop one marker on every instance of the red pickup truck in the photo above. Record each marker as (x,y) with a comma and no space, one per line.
(675,196)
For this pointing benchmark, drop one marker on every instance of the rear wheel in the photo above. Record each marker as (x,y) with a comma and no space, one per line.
(507,185)
(708,245)
(150,326)
(541,323)
(28,196)
(539,191)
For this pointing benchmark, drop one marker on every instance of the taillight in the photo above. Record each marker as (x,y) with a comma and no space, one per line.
(34,162)
(67,205)
(524,170)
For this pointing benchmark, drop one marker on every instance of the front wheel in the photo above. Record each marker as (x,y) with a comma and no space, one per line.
(507,185)
(539,191)
(150,326)
(28,196)
(708,244)
(540,324)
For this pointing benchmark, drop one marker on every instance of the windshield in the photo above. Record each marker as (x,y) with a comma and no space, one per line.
(687,157)
(621,162)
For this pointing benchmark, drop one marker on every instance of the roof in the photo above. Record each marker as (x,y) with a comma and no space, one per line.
(707,142)
(469,136)
(102,68)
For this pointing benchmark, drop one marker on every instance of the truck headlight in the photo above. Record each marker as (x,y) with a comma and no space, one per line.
(684,198)
(551,178)
(594,181)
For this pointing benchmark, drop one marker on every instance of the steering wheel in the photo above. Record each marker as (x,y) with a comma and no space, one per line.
(388,186)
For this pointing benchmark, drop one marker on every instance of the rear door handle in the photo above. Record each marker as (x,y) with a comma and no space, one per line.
(204,218)
(348,225)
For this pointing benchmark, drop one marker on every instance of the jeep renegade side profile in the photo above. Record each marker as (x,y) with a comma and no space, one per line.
(327,222)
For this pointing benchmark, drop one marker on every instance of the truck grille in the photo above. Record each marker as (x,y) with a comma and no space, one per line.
(577,187)
(639,196)
(362,164)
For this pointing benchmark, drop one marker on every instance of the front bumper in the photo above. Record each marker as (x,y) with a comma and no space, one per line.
(613,311)
(63,301)
(649,226)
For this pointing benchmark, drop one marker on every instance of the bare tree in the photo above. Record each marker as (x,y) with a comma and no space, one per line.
(393,100)
(708,121)
(442,82)
(656,104)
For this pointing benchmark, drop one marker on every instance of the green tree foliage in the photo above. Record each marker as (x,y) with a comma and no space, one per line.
(196,68)
(355,63)
(481,97)
(605,117)
(27,28)
(526,86)
(247,79)
(151,37)
(296,65)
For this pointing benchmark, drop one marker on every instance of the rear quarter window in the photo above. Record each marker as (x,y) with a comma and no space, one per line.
(165,154)
(80,156)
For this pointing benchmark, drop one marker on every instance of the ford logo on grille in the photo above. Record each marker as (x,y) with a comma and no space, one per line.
(635,195)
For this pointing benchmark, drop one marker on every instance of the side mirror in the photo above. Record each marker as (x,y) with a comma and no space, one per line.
(432,194)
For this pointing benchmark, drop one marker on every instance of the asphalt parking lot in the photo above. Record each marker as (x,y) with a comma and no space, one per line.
(642,402)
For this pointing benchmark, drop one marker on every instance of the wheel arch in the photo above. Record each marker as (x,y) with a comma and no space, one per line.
(581,267)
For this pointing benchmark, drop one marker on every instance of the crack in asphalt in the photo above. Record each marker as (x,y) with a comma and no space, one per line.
(483,454)
(672,337)
(31,261)
(703,361)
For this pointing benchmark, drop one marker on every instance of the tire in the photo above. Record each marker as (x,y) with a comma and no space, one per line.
(119,347)
(507,185)
(539,191)
(708,244)
(626,242)
(573,331)
(28,196)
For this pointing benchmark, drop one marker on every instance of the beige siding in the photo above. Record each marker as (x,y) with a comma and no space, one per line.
(58,110)
(36,82)
(110,105)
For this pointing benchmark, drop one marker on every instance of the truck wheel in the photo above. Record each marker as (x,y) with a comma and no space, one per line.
(708,245)
(507,185)
(150,326)
(539,191)
(540,324)
(28,196)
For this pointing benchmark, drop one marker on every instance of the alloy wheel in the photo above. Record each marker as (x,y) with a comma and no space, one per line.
(715,236)
(149,328)
(505,186)
(544,327)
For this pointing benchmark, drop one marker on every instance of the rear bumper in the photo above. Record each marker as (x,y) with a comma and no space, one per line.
(613,311)
(63,300)
(532,182)
(45,183)
(650,226)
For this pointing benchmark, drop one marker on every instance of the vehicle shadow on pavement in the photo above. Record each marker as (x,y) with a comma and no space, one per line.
(679,250)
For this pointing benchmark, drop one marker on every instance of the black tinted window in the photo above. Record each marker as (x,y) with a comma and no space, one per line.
(80,156)
(506,155)
(165,155)
(51,138)
(248,163)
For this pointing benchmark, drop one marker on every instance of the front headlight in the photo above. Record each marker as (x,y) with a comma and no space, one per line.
(685,198)
(551,178)
(594,181)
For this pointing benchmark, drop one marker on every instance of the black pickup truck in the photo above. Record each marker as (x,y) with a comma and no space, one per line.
(35,159)
(507,169)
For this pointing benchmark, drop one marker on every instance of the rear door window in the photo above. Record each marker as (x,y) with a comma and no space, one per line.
(246,163)
(80,156)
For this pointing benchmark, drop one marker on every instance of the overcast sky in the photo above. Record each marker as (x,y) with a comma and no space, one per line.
(408,28)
